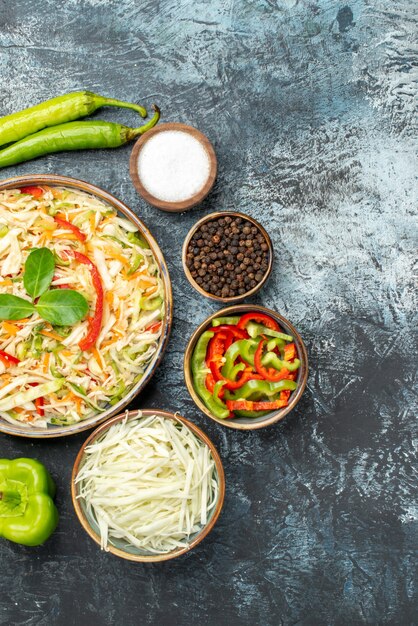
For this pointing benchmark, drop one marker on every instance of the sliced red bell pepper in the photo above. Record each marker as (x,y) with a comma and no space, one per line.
(285,395)
(7,359)
(95,322)
(36,192)
(270,373)
(153,327)
(68,226)
(232,384)
(237,333)
(248,405)
(210,382)
(290,352)
(39,404)
(259,318)
(216,347)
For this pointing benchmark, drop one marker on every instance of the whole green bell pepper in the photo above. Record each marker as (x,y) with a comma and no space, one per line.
(27,512)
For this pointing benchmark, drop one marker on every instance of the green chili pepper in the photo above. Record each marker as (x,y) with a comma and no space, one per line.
(67,108)
(73,136)
(233,321)
(245,348)
(199,372)
(27,512)
(256,389)
(272,360)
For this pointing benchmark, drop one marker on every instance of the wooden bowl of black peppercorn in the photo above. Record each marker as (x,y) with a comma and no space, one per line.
(227,256)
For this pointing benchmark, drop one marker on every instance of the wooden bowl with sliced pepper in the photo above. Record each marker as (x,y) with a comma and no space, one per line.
(246,367)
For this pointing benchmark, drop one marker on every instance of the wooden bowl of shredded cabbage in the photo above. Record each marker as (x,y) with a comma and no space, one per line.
(148,485)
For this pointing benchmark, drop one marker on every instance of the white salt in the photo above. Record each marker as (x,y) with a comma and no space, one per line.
(173,166)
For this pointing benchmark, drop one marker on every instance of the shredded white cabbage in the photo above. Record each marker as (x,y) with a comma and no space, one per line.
(149,481)
(133,306)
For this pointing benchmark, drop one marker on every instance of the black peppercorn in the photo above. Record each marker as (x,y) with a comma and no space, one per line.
(227,256)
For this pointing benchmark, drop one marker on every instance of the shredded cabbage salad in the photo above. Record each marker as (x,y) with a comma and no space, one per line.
(149,481)
(75,384)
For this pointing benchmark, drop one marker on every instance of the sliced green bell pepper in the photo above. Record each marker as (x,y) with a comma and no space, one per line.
(245,348)
(137,239)
(27,512)
(232,321)
(275,342)
(270,359)
(199,373)
(256,389)
(254,330)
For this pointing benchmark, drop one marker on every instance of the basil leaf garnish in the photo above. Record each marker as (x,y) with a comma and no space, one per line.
(14,308)
(39,271)
(62,307)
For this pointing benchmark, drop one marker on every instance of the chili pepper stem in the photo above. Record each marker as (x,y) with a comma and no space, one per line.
(132,133)
(112,102)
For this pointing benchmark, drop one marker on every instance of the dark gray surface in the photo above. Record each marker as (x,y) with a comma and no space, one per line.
(310,109)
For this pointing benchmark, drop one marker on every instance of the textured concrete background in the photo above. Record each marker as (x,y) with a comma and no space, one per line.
(310,106)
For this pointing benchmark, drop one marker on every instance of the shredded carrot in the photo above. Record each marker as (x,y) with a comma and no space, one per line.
(106,220)
(51,335)
(105,344)
(109,298)
(92,222)
(78,403)
(151,290)
(55,192)
(45,362)
(9,328)
(47,225)
(6,282)
(114,254)
(4,380)
(98,358)
(67,398)
(68,236)
(146,282)
(66,353)
(46,236)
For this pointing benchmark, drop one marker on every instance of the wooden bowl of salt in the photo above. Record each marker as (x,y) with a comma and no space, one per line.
(173,167)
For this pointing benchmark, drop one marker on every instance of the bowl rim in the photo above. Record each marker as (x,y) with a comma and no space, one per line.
(198,288)
(164,205)
(203,532)
(67,181)
(275,416)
